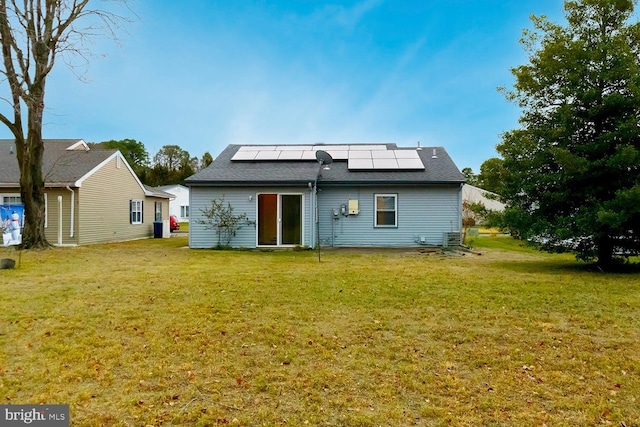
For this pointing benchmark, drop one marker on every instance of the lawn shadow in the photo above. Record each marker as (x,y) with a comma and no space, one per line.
(544,266)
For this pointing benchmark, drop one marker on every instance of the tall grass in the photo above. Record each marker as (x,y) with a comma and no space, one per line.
(153,333)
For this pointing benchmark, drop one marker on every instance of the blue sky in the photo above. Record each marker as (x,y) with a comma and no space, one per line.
(203,74)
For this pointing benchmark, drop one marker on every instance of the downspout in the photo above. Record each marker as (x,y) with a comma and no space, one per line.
(460,208)
(59,220)
(73,203)
(312,210)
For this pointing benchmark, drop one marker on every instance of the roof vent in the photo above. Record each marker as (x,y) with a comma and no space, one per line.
(419,147)
(435,155)
(11,149)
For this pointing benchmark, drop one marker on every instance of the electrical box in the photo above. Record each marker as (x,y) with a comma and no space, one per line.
(353,207)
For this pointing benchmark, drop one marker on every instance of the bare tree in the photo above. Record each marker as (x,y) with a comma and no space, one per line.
(33,34)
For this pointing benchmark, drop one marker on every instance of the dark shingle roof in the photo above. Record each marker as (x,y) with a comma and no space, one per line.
(223,171)
(60,166)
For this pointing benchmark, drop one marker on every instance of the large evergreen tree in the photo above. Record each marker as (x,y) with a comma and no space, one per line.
(573,166)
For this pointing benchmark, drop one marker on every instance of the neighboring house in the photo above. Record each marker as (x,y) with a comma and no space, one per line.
(91,196)
(378,195)
(179,206)
(473,194)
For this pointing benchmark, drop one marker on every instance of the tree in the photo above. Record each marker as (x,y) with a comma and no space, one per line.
(206,160)
(172,165)
(573,167)
(132,150)
(172,157)
(220,217)
(492,175)
(472,214)
(472,179)
(32,36)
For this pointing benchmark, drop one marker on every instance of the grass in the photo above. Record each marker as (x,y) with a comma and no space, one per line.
(151,333)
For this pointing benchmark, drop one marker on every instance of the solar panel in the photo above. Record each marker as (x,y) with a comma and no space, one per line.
(267,155)
(378,154)
(360,164)
(290,155)
(294,147)
(406,154)
(245,155)
(359,156)
(385,164)
(410,164)
(364,154)
(338,154)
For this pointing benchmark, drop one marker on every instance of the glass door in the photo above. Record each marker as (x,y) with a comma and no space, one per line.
(267,219)
(291,207)
(279,219)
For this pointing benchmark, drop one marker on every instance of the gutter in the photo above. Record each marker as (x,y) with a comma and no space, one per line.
(73,204)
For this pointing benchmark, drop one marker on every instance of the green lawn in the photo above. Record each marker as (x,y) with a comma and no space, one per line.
(152,333)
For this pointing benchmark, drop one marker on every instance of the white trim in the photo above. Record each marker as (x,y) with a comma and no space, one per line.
(117,154)
(140,211)
(59,220)
(279,220)
(157,204)
(375,210)
(3,195)
(73,203)
(46,210)
(77,144)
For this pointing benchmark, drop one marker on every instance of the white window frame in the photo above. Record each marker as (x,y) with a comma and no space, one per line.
(157,208)
(11,196)
(135,211)
(184,209)
(394,210)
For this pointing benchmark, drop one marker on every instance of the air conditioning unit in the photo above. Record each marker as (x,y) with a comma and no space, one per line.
(451,238)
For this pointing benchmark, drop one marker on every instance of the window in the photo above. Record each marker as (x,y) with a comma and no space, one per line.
(135,211)
(158,211)
(11,200)
(386,206)
(184,211)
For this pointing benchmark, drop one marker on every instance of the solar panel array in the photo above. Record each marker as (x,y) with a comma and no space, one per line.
(358,157)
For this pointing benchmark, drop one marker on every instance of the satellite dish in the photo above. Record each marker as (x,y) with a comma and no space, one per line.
(323,157)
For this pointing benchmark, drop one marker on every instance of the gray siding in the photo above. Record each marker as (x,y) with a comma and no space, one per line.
(243,200)
(422,212)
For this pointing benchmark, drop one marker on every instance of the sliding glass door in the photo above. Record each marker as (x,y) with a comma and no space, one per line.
(279,219)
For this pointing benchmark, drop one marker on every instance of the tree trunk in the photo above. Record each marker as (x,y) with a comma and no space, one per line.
(605,253)
(29,153)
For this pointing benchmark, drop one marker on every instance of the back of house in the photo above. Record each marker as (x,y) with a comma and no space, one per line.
(341,195)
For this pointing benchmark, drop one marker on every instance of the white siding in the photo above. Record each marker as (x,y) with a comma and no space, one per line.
(182,199)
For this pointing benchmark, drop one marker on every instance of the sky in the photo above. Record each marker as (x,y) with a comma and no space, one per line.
(203,74)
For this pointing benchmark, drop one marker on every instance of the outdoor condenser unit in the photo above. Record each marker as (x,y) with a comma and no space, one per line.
(451,238)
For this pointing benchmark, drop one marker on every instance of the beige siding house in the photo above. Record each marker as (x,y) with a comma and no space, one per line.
(92,196)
